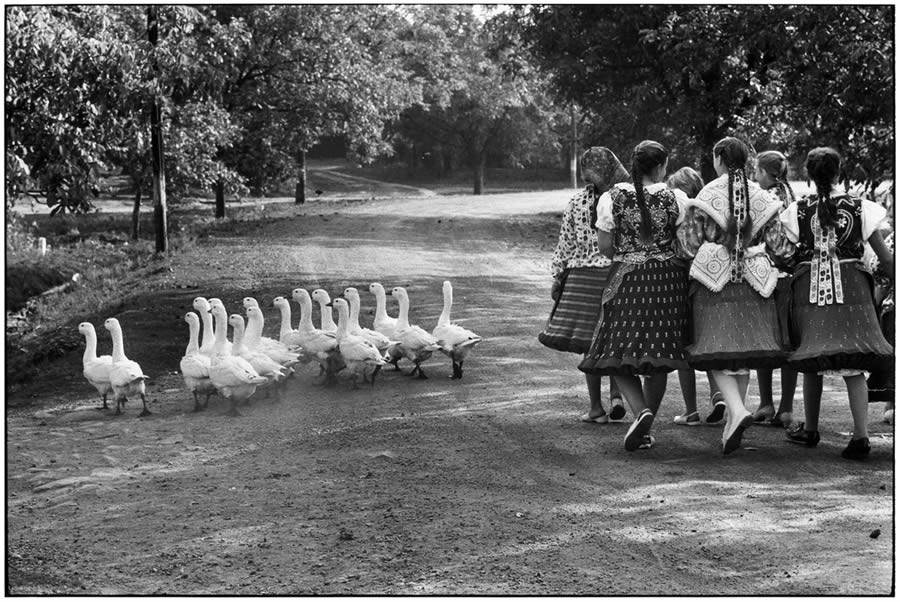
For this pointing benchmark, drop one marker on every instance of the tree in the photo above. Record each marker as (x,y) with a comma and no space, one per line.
(689,75)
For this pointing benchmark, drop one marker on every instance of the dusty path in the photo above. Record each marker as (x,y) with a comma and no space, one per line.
(488,485)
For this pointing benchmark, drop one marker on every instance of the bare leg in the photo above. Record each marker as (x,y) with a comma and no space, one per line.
(595,395)
(631,387)
(764,378)
(688,390)
(654,390)
(734,390)
(812,400)
(858,393)
(788,387)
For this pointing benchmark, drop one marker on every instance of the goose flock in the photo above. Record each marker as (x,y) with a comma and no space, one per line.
(236,369)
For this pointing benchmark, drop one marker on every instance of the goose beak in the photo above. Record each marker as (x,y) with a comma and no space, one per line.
(329,304)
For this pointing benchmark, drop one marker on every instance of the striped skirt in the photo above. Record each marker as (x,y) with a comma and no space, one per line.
(574,316)
(844,336)
(643,321)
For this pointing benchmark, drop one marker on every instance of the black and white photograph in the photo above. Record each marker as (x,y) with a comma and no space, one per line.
(449,300)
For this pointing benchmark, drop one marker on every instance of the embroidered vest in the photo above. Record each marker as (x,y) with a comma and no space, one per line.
(663,209)
(823,248)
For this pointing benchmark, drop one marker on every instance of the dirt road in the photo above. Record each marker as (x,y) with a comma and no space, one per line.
(488,485)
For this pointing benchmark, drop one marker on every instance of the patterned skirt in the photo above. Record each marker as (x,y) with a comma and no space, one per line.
(844,336)
(643,321)
(734,329)
(575,314)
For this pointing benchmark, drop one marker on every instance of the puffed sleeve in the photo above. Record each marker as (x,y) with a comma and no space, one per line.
(790,223)
(605,221)
(565,246)
(873,215)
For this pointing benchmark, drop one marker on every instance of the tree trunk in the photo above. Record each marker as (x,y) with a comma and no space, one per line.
(300,191)
(156,147)
(479,174)
(136,213)
(573,162)
(220,200)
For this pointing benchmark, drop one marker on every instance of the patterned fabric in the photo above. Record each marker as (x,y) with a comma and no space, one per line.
(734,330)
(705,228)
(605,165)
(848,241)
(577,246)
(577,311)
(664,213)
(643,321)
(843,336)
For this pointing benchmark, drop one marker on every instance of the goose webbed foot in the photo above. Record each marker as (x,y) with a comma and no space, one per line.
(421,373)
(457,371)
(232,409)
(145,412)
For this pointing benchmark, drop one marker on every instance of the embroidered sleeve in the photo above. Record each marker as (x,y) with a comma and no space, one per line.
(690,233)
(565,246)
(790,223)
(873,216)
(779,247)
(605,221)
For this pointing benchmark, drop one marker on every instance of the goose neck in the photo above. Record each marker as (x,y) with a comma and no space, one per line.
(118,350)
(403,316)
(90,346)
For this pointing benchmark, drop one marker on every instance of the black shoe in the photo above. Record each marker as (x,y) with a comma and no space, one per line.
(803,437)
(617,412)
(857,449)
(718,411)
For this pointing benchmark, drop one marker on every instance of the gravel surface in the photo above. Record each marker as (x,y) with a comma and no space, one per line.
(485,485)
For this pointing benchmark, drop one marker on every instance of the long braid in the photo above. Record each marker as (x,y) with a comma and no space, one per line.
(823,165)
(638,179)
(747,226)
(731,223)
(787,193)
(826,210)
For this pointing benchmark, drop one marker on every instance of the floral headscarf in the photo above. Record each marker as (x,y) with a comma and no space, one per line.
(604,163)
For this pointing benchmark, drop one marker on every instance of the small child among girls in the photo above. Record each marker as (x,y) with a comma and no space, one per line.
(688,181)
(730,230)
(832,310)
(771,175)
(643,321)
(580,273)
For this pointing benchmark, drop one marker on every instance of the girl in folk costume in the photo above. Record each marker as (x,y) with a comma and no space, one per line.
(735,327)
(690,183)
(771,175)
(580,272)
(833,315)
(644,307)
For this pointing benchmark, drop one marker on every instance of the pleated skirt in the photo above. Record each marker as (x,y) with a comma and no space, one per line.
(734,329)
(574,316)
(844,336)
(643,321)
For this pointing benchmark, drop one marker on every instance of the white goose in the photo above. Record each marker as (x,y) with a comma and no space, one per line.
(317,343)
(202,305)
(384,323)
(263,364)
(455,341)
(358,353)
(326,319)
(255,339)
(288,335)
(381,341)
(195,365)
(125,376)
(416,343)
(233,376)
(95,369)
